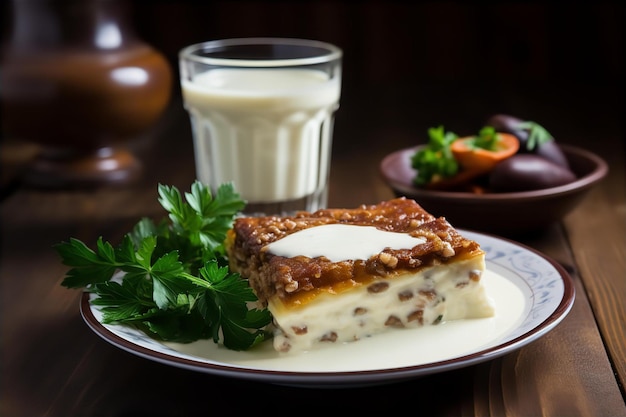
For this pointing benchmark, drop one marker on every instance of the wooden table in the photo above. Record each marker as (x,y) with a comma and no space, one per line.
(54,365)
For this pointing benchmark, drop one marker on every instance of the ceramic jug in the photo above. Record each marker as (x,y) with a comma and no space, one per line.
(77,81)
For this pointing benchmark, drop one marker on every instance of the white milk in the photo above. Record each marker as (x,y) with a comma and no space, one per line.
(266,130)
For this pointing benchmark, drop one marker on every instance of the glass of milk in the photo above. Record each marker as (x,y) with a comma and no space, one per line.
(262,112)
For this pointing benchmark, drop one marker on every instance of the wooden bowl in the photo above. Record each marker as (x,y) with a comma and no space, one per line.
(509,213)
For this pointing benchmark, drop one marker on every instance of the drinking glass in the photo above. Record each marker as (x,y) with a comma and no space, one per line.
(262,113)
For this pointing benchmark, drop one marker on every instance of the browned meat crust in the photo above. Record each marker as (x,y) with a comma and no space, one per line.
(293,279)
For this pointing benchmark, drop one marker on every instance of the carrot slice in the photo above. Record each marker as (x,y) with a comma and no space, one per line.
(483,160)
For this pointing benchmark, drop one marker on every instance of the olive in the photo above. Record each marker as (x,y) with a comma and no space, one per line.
(525,172)
(551,151)
(515,126)
(509,124)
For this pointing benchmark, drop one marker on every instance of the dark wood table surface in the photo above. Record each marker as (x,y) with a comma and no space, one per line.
(52,364)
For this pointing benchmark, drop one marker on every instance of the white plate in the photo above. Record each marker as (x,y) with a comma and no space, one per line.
(532,294)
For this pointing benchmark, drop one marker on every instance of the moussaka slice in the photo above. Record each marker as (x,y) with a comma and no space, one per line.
(339,275)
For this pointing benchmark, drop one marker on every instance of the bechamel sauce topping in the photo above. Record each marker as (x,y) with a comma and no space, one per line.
(340,242)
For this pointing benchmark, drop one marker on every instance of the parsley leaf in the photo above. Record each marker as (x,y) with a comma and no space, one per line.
(537,134)
(435,160)
(89,267)
(171,279)
(234,319)
(487,138)
(203,220)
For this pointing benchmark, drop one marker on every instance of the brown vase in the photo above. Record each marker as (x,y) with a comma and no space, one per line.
(78,82)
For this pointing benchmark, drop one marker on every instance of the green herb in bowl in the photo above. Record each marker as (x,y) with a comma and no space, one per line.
(435,160)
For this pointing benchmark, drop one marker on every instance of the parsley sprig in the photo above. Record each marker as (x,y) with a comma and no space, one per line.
(487,138)
(435,160)
(171,279)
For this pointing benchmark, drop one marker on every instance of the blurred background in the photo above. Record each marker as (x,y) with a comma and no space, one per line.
(412,65)
(408,62)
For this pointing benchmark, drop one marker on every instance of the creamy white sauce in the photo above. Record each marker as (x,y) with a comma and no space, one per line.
(340,242)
